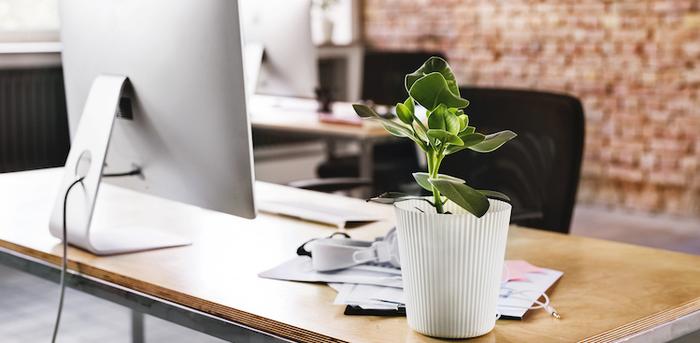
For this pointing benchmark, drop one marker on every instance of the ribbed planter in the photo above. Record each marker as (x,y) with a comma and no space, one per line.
(451,266)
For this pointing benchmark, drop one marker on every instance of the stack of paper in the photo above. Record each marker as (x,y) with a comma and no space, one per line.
(374,287)
(368,296)
(300,269)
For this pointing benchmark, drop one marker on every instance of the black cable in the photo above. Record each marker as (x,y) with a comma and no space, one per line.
(64,263)
(136,171)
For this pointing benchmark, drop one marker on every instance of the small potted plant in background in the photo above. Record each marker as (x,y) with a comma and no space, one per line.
(326,21)
(452,244)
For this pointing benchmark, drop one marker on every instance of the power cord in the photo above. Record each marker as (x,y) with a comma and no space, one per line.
(133,172)
(64,262)
(546,305)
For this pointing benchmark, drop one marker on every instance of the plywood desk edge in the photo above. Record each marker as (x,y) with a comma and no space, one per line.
(645,324)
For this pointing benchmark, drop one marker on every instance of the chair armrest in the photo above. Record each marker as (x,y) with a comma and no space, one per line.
(331,184)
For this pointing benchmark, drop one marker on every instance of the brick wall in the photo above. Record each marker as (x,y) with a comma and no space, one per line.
(635,65)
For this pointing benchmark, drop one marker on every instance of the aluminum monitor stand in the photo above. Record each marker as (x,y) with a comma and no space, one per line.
(86,159)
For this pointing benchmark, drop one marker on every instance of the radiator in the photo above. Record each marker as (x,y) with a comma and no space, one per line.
(33,119)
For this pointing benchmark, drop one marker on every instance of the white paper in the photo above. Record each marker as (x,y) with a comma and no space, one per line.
(515,299)
(300,269)
(377,287)
(517,296)
(368,296)
(361,295)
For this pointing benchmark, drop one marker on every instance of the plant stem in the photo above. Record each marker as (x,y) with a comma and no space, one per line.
(434,160)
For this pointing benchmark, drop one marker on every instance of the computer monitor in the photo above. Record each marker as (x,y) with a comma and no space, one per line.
(172,70)
(283,29)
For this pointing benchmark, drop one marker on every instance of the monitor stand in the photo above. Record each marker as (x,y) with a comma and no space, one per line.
(86,159)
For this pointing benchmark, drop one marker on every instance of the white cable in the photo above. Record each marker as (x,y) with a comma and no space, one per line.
(538,304)
(546,305)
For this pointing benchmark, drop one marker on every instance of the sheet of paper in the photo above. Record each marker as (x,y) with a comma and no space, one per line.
(515,299)
(516,270)
(365,295)
(300,269)
(354,294)
(517,296)
(379,287)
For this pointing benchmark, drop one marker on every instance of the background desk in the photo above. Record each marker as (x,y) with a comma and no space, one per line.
(610,291)
(306,122)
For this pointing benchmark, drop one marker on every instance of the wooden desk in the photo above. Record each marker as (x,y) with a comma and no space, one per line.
(610,291)
(307,122)
(304,120)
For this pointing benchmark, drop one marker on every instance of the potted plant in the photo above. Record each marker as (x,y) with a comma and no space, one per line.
(452,244)
(326,20)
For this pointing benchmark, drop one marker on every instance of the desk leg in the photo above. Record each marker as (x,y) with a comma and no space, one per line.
(137,327)
(330,149)
(366,163)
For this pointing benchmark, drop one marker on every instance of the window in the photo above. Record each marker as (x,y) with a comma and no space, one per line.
(28,20)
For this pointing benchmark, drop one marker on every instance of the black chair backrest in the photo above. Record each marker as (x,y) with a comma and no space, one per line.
(33,119)
(539,170)
(384,72)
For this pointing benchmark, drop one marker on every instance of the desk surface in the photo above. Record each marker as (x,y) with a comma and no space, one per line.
(301,117)
(609,290)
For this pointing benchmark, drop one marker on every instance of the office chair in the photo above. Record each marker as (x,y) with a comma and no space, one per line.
(382,83)
(33,119)
(540,168)
(384,72)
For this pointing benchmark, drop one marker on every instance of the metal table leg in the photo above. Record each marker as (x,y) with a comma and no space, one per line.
(137,327)
(139,302)
(366,163)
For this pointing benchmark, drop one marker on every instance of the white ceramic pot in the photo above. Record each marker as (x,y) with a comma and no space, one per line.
(451,266)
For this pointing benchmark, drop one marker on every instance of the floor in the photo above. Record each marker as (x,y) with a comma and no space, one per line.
(28,310)
(658,231)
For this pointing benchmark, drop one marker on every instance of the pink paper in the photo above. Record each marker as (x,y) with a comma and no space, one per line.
(516,270)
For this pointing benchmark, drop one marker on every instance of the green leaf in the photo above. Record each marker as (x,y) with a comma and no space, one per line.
(393,197)
(493,141)
(434,64)
(410,105)
(468,130)
(393,127)
(494,195)
(464,196)
(422,134)
(422,180)
(396,131)
(445,137)
(431,90)
(364,111)
(463,122)
(469,139)
(404,114)
(436,118)
(452,123)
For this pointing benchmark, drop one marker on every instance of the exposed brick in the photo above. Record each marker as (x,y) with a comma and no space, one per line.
(635,65)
